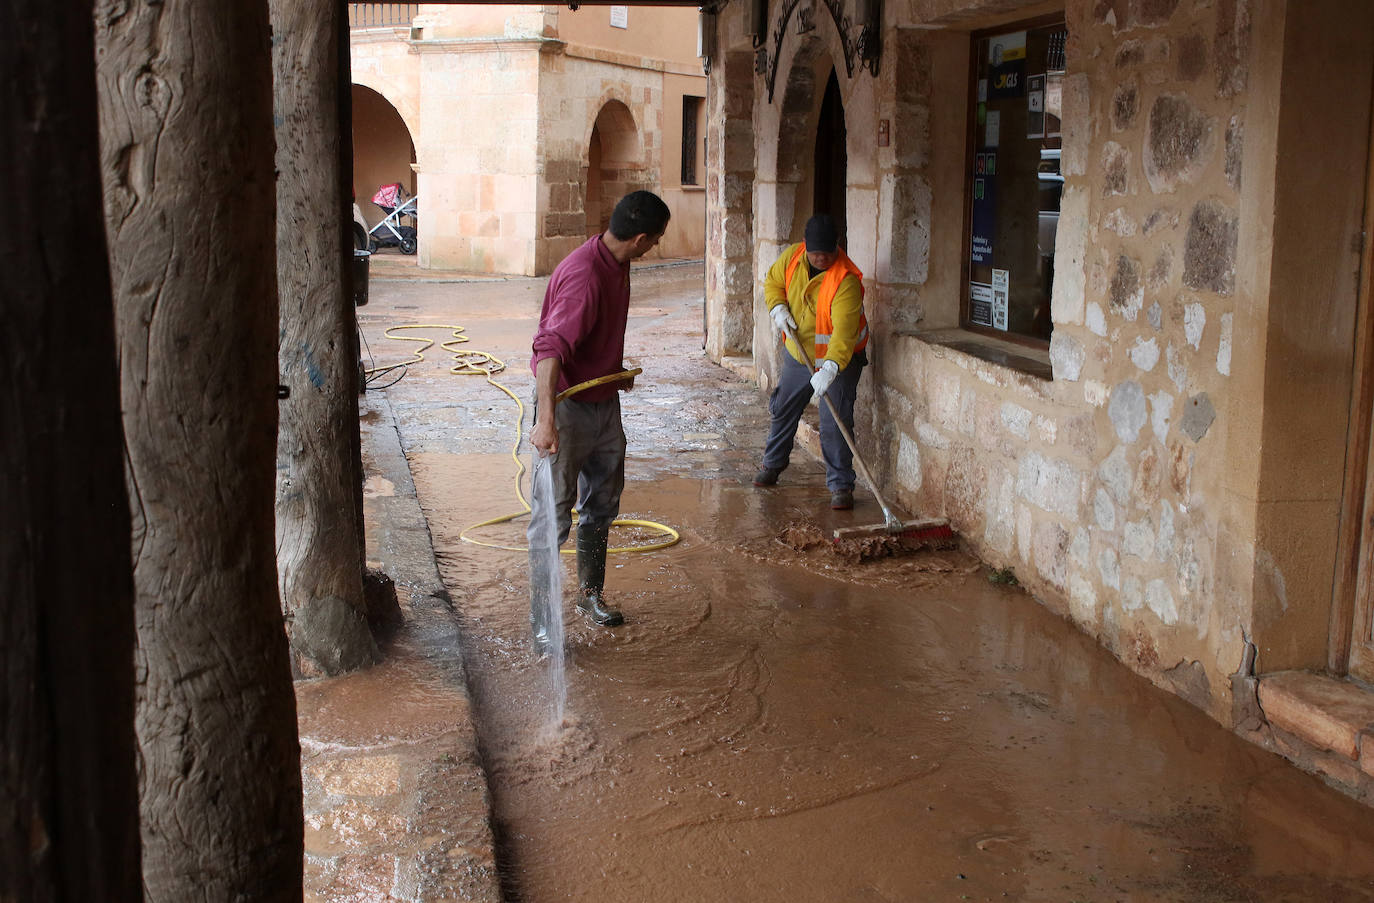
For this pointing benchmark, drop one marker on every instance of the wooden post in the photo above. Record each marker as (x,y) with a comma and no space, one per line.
(68,784)
(187,156)
(319,472)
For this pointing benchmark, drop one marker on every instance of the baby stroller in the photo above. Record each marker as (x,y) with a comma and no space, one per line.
(390,232)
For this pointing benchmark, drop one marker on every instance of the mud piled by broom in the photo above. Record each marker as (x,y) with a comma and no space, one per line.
(805,536)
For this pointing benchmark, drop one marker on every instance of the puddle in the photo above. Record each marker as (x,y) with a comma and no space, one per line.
(776,723)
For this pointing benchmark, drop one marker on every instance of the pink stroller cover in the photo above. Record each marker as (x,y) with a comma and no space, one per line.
(388,195)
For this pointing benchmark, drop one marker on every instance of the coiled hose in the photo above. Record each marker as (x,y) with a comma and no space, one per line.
(481,363)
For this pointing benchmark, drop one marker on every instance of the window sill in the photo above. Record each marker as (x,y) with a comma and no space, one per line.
(692,187)
(1020,358)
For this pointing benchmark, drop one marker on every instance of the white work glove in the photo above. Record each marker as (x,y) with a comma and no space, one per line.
(822,378)
(782,318)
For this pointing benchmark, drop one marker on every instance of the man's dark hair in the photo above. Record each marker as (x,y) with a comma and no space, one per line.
(639,213)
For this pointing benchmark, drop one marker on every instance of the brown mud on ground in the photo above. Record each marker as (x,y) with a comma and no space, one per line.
(807,536)
(772,724)
(775,723)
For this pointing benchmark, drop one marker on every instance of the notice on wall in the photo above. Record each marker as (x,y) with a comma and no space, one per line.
(1001,285)
(980,303)
(992,128)
(1035,107)
(620,18)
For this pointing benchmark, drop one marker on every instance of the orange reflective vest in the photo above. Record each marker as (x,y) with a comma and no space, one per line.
(830,284)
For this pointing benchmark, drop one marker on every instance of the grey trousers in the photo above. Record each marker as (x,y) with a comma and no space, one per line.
(589,466)
(789,401)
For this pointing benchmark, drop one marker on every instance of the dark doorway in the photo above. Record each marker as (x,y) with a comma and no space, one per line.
(831,175)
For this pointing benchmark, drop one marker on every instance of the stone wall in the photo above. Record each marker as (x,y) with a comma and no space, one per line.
(576,90)
(478,155)
(502,123)
(1126,492)
(730,206)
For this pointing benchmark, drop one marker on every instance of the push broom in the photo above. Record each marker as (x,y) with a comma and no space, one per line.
(931,530)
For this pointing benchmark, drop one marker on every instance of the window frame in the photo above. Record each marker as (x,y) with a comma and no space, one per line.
(970,153)
(687,149)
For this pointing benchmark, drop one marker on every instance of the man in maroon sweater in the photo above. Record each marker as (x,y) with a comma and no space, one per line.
(581,336)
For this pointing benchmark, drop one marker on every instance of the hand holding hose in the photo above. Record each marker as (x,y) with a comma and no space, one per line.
(544,436)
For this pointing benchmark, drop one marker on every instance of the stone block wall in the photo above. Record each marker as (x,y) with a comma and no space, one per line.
(1126,491)
(478,152)
(574,90)
(730,206)
(501,114)
(1105,488)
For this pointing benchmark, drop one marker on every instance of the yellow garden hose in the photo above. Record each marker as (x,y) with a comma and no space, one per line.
(480,363)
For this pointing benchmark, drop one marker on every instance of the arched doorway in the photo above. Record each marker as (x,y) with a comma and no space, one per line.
(615,164)
(830,173)
(383,150)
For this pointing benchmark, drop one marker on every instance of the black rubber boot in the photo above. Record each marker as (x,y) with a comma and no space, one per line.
(591,577)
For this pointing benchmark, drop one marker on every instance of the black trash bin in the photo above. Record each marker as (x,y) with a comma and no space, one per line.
(360,268)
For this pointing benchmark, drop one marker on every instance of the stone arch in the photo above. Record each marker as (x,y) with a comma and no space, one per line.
(406,107)
(615,163)
(798,110)
(830,169)
(383,148)
(784,206)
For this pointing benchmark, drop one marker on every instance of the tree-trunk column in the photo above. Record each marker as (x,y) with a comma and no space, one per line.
(187,156)
(68,784)
(319,546)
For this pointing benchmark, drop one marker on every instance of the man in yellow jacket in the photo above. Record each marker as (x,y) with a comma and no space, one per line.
(817,292)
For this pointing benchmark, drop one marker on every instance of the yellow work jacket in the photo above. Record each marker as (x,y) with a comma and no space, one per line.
(804,298)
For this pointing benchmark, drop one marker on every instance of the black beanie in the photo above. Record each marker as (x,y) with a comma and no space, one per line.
(820,233)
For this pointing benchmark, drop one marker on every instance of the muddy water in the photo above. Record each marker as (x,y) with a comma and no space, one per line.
(777,725)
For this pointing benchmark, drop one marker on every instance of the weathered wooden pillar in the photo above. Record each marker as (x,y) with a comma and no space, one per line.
(319,475)
(68,783)
(187,157)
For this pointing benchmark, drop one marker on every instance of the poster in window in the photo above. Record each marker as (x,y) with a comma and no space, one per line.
(1007,65)
(984,207)
(992,128)
(1001,286)
(980,303)
(1035,106)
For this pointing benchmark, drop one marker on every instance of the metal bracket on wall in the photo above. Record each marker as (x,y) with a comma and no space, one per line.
(862,45)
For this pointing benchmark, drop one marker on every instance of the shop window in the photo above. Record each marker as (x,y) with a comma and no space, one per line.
(1014,179)
(691,112)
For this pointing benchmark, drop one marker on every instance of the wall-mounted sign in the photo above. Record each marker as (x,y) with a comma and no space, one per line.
(620,18)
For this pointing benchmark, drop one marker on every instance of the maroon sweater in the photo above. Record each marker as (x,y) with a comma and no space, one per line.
(583,319)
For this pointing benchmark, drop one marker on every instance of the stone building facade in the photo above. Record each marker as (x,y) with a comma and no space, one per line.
(1180,468)
(529,122)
